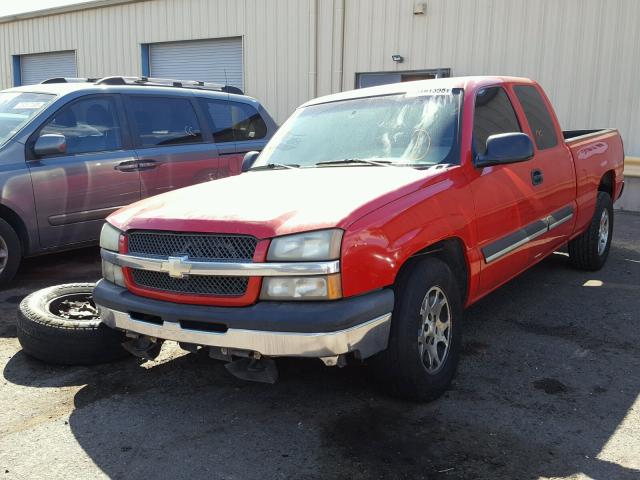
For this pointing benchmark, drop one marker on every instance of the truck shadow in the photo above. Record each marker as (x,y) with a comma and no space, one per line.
(550,369)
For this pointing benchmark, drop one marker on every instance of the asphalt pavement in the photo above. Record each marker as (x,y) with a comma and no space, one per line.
(548,386)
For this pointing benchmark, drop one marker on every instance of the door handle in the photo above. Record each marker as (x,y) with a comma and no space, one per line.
(536,176)
(146,164)
(128,166)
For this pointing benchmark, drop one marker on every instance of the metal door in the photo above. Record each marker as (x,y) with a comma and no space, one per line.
(41,66)
(216,60)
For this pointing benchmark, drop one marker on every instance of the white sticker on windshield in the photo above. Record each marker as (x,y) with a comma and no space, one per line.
(423,92)
(28,105)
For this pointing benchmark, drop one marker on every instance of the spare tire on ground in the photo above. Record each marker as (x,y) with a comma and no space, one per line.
(61,325)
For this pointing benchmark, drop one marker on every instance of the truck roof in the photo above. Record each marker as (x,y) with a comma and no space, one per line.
(408,87)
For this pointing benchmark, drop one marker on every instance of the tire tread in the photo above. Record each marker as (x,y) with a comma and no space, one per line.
(66,342)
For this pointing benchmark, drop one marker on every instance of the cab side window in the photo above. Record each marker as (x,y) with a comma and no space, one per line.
(537,115)
(89,125)
(494,114)
(233,121)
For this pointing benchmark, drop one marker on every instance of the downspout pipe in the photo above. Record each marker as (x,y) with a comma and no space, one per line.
(313,49)
(338,46)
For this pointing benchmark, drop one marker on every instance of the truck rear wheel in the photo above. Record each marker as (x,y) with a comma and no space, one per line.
(10,253)
(590,250)
(61,325)
(424,344)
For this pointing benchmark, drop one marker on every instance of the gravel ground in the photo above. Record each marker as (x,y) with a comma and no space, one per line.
(548,386)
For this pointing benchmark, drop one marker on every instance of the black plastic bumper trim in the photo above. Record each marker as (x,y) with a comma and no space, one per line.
(302,317)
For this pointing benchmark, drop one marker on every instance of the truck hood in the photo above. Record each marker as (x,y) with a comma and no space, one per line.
(275,202)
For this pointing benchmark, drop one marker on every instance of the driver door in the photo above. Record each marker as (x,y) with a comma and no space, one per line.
(508,209)
(76,190)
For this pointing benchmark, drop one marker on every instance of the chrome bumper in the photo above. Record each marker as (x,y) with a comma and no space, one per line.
(367,338)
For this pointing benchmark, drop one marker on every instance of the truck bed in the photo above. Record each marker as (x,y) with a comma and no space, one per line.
(596,153)
(575,135)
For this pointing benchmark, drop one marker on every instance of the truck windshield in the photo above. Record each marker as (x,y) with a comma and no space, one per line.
(17,108)
(417,129)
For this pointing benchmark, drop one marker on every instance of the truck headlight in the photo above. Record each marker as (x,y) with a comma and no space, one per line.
(308,246)
(325,287)
(110,237)
(110,240)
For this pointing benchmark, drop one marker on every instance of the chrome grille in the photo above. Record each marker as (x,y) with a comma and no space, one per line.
(194,284)
(209,247)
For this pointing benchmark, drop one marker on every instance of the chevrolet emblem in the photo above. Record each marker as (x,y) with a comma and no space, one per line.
(176,267)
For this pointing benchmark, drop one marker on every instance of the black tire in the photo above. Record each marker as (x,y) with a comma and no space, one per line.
(583,250)
(400,368)
(53,338)
(9,240)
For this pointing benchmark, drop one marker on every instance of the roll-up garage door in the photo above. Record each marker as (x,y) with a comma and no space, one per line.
(41,66)
(217,60)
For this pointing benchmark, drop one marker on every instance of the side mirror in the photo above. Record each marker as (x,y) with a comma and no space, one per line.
(249,159)
(50,144)
(506,148)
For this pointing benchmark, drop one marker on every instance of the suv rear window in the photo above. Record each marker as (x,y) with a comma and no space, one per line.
(163,121)
(537,115)
(233,121)
(494,114)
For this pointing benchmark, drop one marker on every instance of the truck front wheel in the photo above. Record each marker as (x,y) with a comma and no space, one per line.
(424,343)
(589,251)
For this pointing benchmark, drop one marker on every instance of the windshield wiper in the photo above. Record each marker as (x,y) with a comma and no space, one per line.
(378,163)
(273,166)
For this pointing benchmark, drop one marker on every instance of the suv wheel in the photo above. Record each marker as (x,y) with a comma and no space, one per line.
(424,344)
(10,253)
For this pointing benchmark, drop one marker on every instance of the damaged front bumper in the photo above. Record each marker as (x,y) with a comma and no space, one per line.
(357,325)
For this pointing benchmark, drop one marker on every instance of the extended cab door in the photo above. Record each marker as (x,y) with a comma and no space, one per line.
(173,149)
(554,172)
(74,191)
(507,208)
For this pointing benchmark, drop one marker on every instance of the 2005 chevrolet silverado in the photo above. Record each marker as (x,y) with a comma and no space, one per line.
(366,226)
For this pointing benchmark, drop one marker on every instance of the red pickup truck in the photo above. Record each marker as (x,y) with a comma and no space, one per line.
(362,231)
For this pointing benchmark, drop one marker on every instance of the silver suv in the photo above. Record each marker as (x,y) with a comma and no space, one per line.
(74,150)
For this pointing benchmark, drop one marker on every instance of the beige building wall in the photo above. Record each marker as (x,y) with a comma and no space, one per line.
(276,40)
(585,53)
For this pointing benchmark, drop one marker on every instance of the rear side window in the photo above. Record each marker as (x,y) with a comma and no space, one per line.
(89,125)
(537,115)
(233,121)
(494,114)
(247,123)
(164,121)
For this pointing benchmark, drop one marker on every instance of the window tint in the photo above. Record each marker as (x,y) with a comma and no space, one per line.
(218,113)
(494,114)
(233,121)
(246,122)
(89,125)
(538,116)
(163,121)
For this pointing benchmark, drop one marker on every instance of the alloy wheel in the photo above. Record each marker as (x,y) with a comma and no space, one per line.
(603,232)
(434,336)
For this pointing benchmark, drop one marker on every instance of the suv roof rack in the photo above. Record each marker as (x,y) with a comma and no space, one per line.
(69,80)
(149,81)
(167,82)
